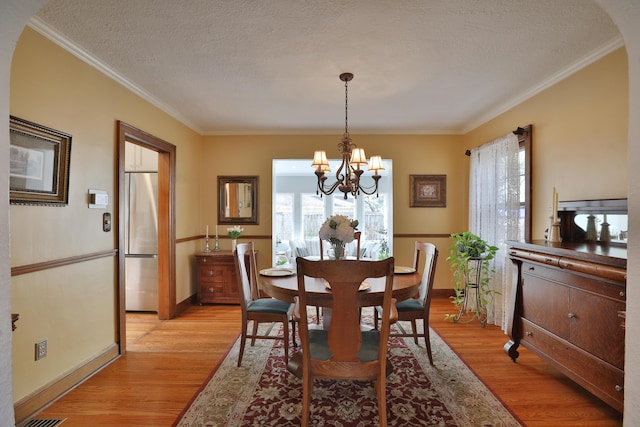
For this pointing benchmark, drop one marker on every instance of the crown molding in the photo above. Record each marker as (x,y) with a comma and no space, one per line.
(56,37)
(589,59)
(79,52)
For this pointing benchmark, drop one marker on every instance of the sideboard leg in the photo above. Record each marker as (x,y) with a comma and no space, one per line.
(511,348)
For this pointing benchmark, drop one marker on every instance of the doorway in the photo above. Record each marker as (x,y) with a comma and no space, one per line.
(166,265)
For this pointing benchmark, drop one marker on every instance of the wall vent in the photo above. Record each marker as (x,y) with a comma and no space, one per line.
(44,422)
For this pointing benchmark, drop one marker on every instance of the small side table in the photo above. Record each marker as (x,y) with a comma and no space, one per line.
(473,281)
(217,278)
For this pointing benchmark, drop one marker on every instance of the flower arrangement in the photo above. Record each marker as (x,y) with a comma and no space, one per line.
(235,231)
(338,229)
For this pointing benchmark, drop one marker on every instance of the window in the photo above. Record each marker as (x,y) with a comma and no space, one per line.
(283,217)
(312,212)
(524,166)
(299,212)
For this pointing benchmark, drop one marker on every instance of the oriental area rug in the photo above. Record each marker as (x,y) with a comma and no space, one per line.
(263,393)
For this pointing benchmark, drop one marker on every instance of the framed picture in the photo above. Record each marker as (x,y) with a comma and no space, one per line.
(38,164)
(428,191)
(238,199)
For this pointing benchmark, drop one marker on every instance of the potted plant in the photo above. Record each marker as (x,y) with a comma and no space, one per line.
(470,258)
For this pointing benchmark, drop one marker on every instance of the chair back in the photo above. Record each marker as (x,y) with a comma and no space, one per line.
(245,260)
(356,238)
(344,336)
(430,253)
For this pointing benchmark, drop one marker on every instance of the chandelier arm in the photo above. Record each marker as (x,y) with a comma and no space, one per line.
(371,189)
(330,190)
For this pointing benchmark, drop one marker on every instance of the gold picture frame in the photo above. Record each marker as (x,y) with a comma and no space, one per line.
(428,191)
(39,159)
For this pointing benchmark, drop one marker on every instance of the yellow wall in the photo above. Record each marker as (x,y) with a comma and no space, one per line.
(411,155)
(579,136)
(579,146)
(73,306)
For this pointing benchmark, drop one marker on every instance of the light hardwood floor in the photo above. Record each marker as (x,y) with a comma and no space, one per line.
(167,362)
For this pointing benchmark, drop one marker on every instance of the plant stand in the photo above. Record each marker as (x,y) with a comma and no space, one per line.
(473,281)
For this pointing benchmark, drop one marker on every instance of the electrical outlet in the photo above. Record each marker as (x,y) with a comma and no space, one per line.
(41,349)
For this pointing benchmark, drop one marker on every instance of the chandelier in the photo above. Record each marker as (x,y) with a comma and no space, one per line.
(353,160)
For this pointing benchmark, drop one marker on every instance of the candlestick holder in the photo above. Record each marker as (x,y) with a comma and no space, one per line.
(604,232)
(591,228)
(547,232)
(554,233)
(206,244)
(216,248)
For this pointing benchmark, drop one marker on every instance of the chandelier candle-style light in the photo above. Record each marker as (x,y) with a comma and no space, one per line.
(353,160)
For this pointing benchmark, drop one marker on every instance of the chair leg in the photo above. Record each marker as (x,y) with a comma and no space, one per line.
(285,325)
(255,332)
(293,333)
(243,339)
(414,329)
(382,400)
(307,385)
(318,315)
(427,340)
(375,318)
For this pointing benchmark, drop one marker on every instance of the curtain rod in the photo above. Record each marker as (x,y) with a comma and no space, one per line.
(519,131)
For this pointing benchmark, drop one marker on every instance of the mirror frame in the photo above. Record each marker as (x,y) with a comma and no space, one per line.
(222,181)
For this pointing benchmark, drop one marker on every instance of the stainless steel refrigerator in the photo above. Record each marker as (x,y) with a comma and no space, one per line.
(141,241)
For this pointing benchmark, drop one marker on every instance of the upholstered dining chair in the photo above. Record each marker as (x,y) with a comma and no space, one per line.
(418,308)
(343,351)
(259,310)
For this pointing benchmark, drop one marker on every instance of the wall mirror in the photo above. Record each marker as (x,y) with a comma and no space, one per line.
(237,199)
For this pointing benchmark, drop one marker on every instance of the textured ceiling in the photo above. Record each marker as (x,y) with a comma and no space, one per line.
(252,67)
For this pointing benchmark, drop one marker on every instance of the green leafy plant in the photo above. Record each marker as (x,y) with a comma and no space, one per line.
(235,231)
(470,259)
(383,253)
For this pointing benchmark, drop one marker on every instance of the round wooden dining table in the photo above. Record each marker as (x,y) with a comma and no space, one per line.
(285,288)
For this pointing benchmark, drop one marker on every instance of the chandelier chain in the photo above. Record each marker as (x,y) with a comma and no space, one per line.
(346,108)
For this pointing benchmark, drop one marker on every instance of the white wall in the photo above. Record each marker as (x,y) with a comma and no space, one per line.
(14,15)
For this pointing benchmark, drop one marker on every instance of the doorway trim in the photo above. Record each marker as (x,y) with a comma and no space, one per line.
(166,224)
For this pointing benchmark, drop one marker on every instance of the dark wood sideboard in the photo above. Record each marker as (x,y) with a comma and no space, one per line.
(216,277)
(567,299)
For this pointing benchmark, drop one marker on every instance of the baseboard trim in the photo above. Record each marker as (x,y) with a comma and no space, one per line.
(186,303)
(442,293)
(47,394)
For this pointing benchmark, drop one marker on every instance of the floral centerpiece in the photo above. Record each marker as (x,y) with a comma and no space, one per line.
(338,230)
(234,232)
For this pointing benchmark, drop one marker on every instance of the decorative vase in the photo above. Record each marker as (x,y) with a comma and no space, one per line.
(337,250)
(234,242)
(591,228)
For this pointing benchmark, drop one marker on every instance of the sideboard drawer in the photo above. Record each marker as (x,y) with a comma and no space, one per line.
(211,273)
(582,367)
(208,291)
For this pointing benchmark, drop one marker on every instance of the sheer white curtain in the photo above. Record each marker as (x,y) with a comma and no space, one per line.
(493,212)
